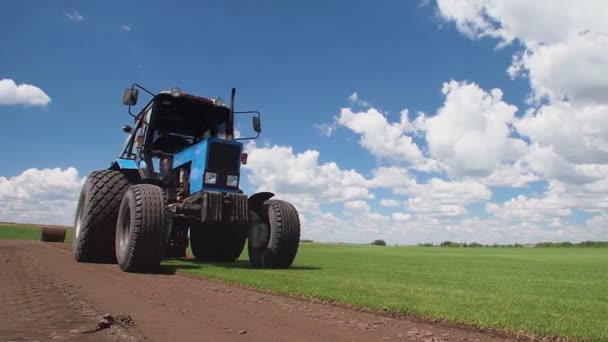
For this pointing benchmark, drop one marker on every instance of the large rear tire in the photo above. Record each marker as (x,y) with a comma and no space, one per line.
(282,219)
(96,214)
(223,243)
(143,228)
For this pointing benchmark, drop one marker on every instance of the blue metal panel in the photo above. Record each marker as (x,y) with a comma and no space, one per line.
(197,155)
(126,164)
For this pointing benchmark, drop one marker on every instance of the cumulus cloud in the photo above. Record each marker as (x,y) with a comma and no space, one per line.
(355,100)
(389,203)
(384,139)
(524,208)
(565,57)
(125,28)
(300,174)
(391,177)
(476,140)
(23,94)
(326,130)
(74,16)
(45,196)
(579,134)
(400,217)
(470,134)
(440,198)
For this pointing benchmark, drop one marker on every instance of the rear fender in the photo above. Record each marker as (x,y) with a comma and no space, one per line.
(256,201)
(128,168)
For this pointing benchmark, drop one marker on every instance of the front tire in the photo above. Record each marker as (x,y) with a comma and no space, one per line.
(142,230)
(95,222)
(282,219)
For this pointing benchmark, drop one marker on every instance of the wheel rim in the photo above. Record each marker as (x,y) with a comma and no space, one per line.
(125,229)
(79,215)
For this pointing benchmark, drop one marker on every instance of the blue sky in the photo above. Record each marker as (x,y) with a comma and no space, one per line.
(298,64)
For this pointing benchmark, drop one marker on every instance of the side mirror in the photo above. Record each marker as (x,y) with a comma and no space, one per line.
(257,127)
(127,129)
(129,97)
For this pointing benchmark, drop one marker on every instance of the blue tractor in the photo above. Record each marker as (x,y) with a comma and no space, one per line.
(176,182)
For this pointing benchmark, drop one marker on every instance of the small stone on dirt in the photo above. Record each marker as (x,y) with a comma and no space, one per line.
(242,332)
(108,318)
(103,324)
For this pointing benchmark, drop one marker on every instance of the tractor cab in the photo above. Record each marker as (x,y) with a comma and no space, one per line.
(169,125)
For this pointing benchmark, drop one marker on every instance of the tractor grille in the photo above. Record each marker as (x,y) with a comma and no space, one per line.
(224,158)
(224,208)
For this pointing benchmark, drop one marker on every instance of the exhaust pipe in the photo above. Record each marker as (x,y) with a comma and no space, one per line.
(231,119)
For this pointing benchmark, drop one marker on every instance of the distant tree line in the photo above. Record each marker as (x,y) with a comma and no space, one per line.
(378,243)
(518,245)
(570,244)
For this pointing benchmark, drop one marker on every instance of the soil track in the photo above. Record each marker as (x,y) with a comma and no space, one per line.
(46,295)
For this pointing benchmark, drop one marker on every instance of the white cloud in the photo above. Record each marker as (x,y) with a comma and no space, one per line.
(125,28)
(516,175)
(22,94)
(391,177)
(448,192)
(564,55)
(531,209)
(45,196)
(579,134)
(571,69)
(74,16)
(279,169)
(356,101)
(440,198)
(384,139)
(429,208)
(566,42)
(326,130)
(389,203)
(532,23)
(356,206)
(470,134)
(400,217)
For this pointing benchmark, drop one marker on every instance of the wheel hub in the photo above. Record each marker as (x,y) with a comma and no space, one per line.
(259,234)
(79,215)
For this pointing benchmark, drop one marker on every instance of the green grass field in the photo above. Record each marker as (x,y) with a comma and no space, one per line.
(19,232)
(545,291)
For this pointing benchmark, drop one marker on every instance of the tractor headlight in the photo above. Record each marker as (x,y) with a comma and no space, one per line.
(232,181)
(210,177)
(175,92)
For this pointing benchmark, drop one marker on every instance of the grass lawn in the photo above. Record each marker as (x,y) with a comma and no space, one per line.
(546,291)
(20,232)
(25,232)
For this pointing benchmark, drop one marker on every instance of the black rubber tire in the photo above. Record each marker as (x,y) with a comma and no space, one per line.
(223,243)
(143,228)
(95,222)
(284,240)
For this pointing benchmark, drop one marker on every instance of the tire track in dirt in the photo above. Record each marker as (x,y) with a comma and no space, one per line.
(169,307)
(37,306)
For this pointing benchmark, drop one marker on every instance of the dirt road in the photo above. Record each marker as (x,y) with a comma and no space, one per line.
(46,295)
